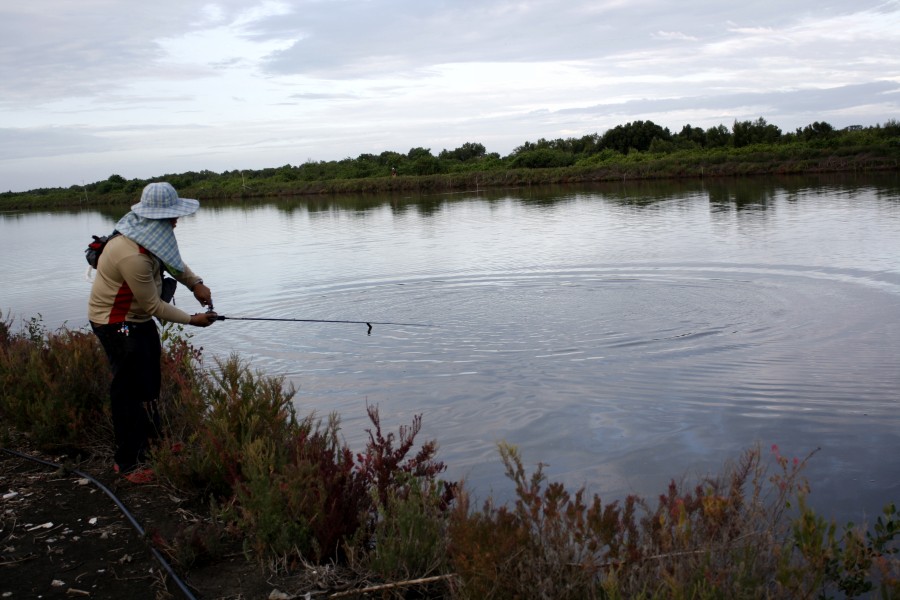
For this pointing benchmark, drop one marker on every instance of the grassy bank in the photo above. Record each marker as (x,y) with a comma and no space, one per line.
(286,484)
(637,151)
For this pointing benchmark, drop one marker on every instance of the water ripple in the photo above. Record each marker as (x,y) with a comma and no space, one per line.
(690,336)
(617,336)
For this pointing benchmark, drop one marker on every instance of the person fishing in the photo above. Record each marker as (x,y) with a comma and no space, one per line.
(125,296)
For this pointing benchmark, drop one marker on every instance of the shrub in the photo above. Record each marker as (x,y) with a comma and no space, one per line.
(409,533)
(542,158)
(182,405)
(288,483)
(817,560)
(292,490)
(550,544)
(54,385)
(726,538)
(219,416)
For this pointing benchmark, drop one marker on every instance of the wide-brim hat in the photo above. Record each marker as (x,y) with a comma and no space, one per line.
(161,201)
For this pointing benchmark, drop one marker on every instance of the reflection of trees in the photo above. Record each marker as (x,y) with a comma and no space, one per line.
(759,193)
(743,193)
(724,194)
(425,207)
(642,193)
(363,203)
(329,203)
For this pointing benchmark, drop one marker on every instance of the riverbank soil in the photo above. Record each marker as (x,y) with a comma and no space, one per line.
(61,536)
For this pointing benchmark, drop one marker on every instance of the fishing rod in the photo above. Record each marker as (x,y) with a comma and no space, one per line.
(367,323)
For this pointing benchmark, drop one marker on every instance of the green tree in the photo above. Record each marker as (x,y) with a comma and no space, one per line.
(891,128)
(718,137)
(637,135)
(466,152)
(816,131)
(754,132)
(587,145)
(542,158)
(391,159)
(658,146)
(691,136)
(114,183)
(288,173)
(422,162)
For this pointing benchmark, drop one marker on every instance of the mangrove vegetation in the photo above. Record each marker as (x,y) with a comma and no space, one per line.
(636,150)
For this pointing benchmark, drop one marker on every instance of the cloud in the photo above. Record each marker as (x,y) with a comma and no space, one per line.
(323,96)
(364,39)
(675,35)
(109,86)
(49,141)
(805,101)
(56,49)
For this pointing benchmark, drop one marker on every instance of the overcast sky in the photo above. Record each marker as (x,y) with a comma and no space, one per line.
(91,88)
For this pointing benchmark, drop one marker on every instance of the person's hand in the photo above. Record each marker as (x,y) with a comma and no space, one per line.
(204,319)
(203,294)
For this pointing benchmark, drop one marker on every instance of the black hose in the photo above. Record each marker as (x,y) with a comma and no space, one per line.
(137,526)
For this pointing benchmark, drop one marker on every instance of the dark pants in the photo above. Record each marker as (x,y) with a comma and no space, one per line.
(134,351)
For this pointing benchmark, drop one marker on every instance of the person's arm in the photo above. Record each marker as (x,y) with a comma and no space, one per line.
(194,283)
(204,319)
(138,273)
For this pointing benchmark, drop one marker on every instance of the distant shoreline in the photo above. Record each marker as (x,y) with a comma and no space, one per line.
(772,159)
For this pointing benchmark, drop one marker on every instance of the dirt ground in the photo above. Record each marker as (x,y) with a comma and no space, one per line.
(61,536)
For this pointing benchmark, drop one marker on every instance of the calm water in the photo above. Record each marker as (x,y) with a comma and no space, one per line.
(623,335)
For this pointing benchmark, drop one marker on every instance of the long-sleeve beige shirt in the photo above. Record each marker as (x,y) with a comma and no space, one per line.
(128,285)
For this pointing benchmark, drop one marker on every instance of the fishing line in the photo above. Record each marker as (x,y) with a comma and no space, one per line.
(367,323)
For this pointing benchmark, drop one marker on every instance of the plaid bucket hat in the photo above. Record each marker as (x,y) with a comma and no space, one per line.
(161,201)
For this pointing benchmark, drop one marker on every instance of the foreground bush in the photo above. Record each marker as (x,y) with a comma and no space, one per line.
(296,494)
(726,537)
(54,385)
(288,483)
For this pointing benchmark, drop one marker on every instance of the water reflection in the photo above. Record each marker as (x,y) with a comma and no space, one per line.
(741,197)
(723,194)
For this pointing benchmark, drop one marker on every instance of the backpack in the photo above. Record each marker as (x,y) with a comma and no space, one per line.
(95,249)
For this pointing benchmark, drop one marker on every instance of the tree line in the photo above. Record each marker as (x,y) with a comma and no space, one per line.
(632,142)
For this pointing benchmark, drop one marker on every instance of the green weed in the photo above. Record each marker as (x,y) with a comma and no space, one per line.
(409,535)
(54,385)
(727,537)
